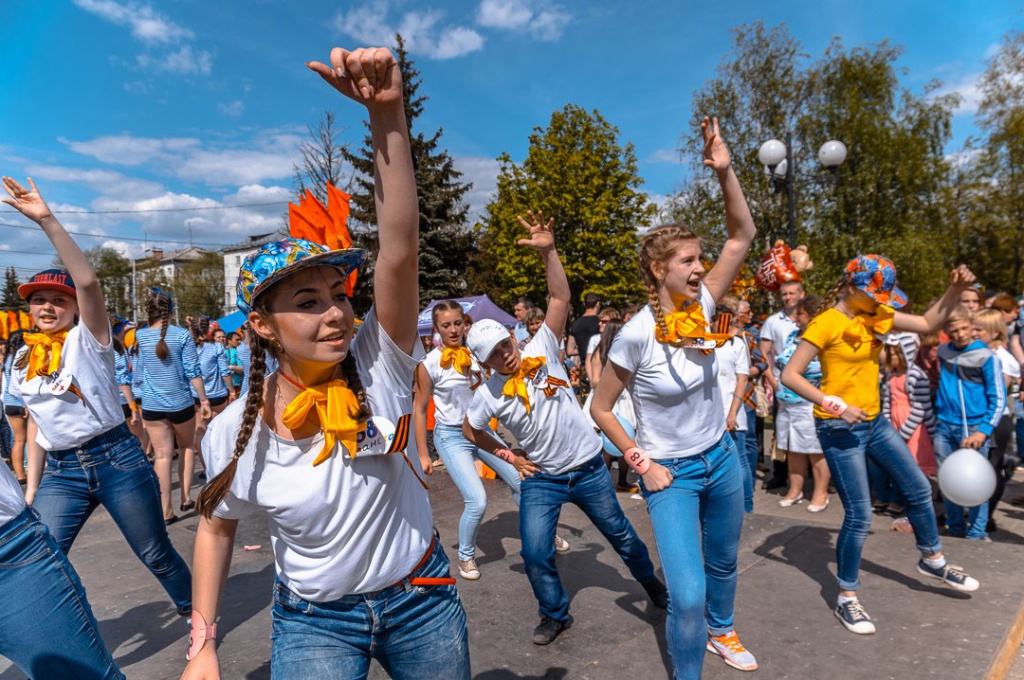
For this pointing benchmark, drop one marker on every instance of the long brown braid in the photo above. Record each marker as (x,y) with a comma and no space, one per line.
(213,493)
(832,296)
(659,245)
(158,308)
(199,328)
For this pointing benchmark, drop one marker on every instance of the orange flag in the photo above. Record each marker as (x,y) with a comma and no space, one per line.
(25,321)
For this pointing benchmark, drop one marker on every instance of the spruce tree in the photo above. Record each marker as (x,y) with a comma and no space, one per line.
(446,244)
(10,298)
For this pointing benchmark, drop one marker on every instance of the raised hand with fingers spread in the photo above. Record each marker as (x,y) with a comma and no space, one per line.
(541,236)
(29,202)
(716,154)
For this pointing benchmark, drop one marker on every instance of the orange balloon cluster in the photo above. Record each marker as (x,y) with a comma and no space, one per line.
(12,320)
(781,264)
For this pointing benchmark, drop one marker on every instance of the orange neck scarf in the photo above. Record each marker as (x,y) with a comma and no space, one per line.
(336,405)
(459,357)
(688,325)
(864,327)
(45,353)
(515,386)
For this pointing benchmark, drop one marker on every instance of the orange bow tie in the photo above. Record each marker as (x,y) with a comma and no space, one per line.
(45,353)
(688,325)
(863,327)
(336,405)
(459,357)
(515,386)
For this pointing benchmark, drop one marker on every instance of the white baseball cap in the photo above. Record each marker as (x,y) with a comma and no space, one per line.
(484,335)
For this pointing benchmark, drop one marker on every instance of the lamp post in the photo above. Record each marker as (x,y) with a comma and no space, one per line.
(777,157)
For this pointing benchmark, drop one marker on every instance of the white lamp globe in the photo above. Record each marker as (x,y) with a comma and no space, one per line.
(781,169)
(832,153)
(771,152)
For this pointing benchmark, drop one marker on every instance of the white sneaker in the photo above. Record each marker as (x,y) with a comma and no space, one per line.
(468,569)
(561,545)
(732,651)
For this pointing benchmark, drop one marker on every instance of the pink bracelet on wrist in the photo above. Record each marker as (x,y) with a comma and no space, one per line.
(637,459)
(200,633)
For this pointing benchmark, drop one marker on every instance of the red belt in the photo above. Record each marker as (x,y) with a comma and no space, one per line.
(424,581)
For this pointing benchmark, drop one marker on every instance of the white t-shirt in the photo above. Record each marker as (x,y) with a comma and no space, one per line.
(675,389)
(555,434)
(777,328)
(12,499)
(452,391)
(64,421)
(733,360)
(1011,367)
(348,525)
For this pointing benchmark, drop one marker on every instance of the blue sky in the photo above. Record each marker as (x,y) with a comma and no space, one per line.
(114,105)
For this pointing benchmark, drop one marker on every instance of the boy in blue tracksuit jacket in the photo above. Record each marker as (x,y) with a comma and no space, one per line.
(970,402)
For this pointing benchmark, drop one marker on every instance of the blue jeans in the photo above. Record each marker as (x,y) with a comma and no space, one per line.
(111,470)
(414,632)
(747,467)
(753,453)
(1018,411)
(847,449)
(46,624)
(697,523)
(459,455)
(947,440)
(882,486)
(590,488)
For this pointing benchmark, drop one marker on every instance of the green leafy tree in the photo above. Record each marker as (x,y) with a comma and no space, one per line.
(199,286)
(10,298)
(446,244)
(994,173)
(114,272)
(891,196)
(577,172)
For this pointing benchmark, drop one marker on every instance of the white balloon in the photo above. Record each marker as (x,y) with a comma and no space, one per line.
(967,478)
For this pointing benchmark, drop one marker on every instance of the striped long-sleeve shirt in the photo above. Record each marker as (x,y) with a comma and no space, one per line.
(919,392)
(165,382)
(213,362)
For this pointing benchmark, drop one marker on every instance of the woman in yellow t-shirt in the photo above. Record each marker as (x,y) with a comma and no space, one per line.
(846,338)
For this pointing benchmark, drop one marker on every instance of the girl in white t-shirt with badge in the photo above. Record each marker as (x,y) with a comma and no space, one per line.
(560,456)
(66,377)
(688,464)
(319,446)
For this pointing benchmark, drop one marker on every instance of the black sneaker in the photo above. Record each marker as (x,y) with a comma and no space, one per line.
(548,630)
(952,576)
(853,616)
(657,591)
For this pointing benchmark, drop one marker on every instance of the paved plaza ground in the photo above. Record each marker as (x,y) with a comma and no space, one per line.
(783,608)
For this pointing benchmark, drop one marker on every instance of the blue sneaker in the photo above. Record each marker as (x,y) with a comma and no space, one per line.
(852,615)
(953,576)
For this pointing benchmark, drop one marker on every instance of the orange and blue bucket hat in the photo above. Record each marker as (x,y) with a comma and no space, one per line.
(876,276)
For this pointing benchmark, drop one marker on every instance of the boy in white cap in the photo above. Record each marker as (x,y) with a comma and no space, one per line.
(560,460)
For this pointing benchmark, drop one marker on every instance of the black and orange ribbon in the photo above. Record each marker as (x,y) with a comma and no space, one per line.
(687,327)
(515,386)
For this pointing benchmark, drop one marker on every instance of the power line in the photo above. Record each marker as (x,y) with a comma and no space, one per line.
(155,239)
(162,210)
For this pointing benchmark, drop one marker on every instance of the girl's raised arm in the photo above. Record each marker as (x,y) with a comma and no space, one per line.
(371,77)
(960,279)
(738,221)
(92,308)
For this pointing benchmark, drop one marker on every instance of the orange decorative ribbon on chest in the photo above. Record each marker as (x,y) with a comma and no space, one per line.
(529,367)
(44,356)
(864,327)
(459,357)
(689,325)
(336,405)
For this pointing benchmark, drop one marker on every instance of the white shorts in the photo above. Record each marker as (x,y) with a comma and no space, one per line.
(794,428)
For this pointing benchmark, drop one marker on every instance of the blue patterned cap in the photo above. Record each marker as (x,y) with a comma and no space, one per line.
(876,276)
(274,261)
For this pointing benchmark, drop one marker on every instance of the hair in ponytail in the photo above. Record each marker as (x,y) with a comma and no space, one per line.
(213,493)
(659,245)
(158,308)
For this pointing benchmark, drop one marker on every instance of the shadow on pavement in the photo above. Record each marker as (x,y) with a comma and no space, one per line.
(504,674)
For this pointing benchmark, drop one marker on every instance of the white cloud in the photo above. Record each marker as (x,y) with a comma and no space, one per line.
(969,90)
(543,20)
(267,156)
(421,30)
(163,39)
(483,173)
(147,25)
(665,156)
(232,109)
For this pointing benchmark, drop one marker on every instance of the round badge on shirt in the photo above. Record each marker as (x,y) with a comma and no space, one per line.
(376,439)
